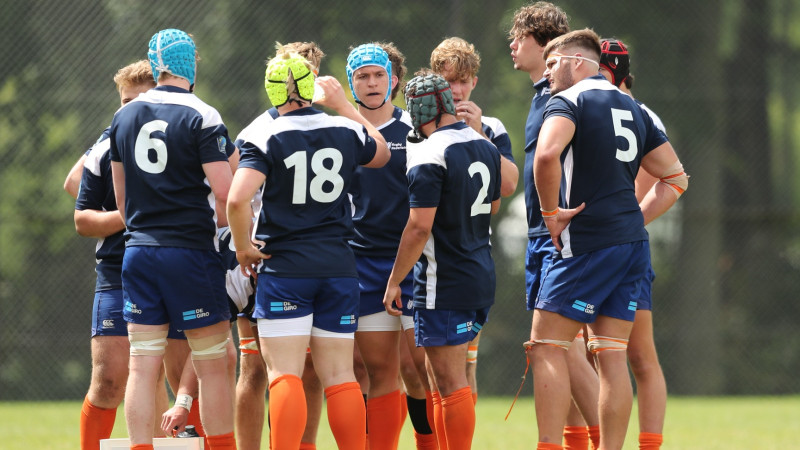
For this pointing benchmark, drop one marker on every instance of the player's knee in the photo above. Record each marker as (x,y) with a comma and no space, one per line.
(109,386)
(209,347)
(599,344)
(148,343)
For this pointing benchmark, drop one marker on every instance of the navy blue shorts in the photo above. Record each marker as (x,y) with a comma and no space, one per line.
(107,317)
(180,286)
(332,301)
(605,282)
(373,274)
(645,301)
(538,258)
(434,328)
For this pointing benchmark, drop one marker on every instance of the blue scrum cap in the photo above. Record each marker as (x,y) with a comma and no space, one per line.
(368,55)
(173,51)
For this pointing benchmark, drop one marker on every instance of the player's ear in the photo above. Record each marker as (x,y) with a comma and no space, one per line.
(395,80)
(474,81)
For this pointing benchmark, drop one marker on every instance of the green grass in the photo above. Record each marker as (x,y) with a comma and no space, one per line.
(728,423)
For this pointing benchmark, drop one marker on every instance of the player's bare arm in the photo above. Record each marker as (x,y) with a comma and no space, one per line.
(98,224)
(219,177)
(554,137)
(244,185)
(415,235)
(118,175)
(73,181)
(335,99)
(663,164)
(174,420)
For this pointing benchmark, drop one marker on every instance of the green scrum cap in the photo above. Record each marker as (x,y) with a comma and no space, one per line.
(427,98)
(277,81)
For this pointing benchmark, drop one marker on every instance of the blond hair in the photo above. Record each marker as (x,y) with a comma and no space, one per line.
(457,55)
(586,40)
(135,74)
(308,50)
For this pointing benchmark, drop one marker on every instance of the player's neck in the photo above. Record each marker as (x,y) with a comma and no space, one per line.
(291,106)
(182,83)
(380,116)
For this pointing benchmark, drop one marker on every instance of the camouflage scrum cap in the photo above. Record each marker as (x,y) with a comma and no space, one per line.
(427,98)
(614,58)
(172,51)
(277,83)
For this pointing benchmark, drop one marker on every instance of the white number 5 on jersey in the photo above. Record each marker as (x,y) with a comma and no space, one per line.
(617,116)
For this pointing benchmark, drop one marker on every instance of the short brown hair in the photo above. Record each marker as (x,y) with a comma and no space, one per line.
(308,50)
(134,74)
(585,39)
(543,20)
(459,55)
(398,64)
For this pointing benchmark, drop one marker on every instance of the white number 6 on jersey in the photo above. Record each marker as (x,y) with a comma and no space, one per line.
(145,142)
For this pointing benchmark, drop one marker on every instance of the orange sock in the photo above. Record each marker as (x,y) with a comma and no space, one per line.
(459,419)
(547,446)
(346,415)
(385,421)
(307,446)
(474,398)
(438,418)
(594,436)
(194,418)
(96,424)
(221,442)
(140,446)
(650,441)
(425,441)
(576,438)
(429,410)
(403,408)
(287,412)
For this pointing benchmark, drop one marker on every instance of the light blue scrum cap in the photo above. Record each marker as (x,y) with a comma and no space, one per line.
(173,51)
(368,55)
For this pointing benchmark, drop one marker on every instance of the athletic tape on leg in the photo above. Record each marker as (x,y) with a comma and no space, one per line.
(602,343)
(147,343)
(248,346)
(552,342)
(209,347)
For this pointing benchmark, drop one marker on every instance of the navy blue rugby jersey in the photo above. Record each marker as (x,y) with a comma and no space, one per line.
(309,159)
(97,193)
(494,129)
(536,226)
(259,122)
(612,135)
(457,171)
(163,137)
(379,197)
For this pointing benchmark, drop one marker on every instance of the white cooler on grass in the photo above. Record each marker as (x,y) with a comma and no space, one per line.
(158,444)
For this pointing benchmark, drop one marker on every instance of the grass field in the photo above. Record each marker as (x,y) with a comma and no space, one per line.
(728,423)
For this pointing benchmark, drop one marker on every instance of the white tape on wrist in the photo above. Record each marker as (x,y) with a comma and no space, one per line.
(184,401)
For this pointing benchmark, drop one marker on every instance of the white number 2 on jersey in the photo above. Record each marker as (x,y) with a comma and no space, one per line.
(617,116)
(145,142)
(479,206)
(322,174)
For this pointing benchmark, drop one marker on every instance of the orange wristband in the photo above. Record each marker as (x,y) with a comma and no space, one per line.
(547,214)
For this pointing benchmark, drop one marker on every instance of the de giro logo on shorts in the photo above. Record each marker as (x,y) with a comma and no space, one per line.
(131,308)
(281,306)
(467,326)
(195,314)
(347,320)
(587,308)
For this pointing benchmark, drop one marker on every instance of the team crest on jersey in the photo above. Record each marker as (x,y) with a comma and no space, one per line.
(587,308)
(394,146)
(222,143)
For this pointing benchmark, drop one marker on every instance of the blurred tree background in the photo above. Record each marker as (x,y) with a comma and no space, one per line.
(720,74)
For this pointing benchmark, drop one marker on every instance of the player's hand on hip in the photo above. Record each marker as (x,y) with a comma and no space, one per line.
(249,258)
(557,223)
(392,300)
